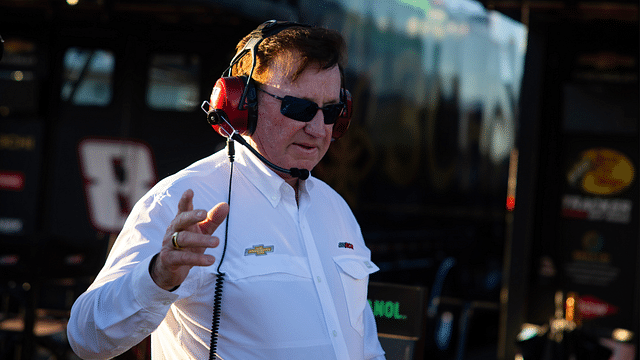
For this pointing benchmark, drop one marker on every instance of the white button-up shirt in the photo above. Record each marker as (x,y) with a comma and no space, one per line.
(295,284)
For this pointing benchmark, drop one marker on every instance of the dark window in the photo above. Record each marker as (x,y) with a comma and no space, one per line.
(87,77)
(173,82)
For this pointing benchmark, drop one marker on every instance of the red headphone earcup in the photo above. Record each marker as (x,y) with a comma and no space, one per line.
(342,123)
(226,96)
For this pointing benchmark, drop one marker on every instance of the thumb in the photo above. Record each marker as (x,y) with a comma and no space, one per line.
(215,217)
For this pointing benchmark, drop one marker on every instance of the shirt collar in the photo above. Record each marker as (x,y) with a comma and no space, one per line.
(267,181)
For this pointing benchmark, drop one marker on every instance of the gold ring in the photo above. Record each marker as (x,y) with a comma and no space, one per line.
(174,241)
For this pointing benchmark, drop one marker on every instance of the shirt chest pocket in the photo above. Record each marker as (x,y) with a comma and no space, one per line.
(354,273)
(272,267)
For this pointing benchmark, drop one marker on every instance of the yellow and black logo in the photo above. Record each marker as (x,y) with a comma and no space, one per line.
(602,171)
(258,250)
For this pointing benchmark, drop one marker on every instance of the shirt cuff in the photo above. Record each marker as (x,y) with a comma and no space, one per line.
(149,295)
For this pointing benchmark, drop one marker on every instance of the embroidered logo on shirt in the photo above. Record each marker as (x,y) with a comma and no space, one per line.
(345,245)
(258,250)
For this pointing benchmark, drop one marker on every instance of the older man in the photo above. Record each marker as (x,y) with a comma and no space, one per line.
(279,261)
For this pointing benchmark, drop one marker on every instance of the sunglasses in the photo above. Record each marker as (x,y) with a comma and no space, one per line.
(304,110)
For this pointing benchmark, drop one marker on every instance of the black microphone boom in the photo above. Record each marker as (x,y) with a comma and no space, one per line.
(302,174)
(218,116)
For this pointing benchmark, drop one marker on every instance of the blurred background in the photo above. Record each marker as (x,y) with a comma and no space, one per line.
(491,160)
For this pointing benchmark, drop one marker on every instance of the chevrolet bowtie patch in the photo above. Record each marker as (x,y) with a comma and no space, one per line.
(258,250)
(345,245)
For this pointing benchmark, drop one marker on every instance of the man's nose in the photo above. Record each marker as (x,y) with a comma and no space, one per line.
(316,127)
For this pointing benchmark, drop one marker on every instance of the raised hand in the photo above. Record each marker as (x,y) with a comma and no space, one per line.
(186,239)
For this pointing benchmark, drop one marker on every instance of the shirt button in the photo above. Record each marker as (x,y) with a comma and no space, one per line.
(319,279)
(166,302)
(335,333)
(274,198)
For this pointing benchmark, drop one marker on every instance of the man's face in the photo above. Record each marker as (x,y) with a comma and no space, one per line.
(291,143)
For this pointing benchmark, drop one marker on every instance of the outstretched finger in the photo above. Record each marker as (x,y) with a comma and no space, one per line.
(215,217)
(186,201)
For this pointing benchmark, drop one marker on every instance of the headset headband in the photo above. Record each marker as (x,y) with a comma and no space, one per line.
(263,31)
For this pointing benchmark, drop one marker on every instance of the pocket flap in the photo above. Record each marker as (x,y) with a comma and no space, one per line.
(355,266)
(272,265)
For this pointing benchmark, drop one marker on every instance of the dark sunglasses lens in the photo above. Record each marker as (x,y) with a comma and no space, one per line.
(298,109)
(331,113)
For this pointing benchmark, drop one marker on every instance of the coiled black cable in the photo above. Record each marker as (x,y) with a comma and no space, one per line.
(217,305)
(217,297)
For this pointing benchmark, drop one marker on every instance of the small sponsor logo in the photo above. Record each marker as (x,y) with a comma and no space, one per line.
(345,245)
(258,250)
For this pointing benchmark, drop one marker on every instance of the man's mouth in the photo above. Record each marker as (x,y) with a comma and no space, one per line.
(306,146)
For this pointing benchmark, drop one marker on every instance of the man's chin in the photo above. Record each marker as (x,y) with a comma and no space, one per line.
(303,163)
